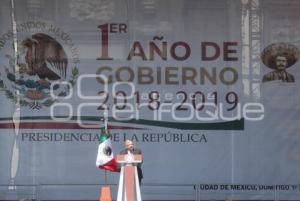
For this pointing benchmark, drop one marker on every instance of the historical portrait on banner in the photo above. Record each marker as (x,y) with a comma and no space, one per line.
(279,57)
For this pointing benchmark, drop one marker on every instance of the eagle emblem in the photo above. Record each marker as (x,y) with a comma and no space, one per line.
(45,57)
(107,151)
(41,60)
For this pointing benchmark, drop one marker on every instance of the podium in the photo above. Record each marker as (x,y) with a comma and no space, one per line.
(129,187)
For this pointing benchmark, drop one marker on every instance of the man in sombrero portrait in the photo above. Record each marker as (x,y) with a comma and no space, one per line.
(279,57)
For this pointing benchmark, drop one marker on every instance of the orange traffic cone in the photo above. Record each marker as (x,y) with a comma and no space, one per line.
(105,194)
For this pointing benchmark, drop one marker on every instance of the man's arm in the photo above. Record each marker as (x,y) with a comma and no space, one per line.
(123,152)
(137,151)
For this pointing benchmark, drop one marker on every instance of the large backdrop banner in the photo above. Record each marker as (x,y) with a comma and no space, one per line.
(209,90)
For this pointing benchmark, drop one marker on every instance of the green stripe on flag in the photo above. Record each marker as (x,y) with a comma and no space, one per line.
(103,136)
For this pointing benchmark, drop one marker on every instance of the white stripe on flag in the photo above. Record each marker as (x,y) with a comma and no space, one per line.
(102,158)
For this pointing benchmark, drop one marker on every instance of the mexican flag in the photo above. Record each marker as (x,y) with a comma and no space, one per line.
(105,158)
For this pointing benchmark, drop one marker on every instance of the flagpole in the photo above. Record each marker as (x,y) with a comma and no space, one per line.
(105,119)
(105,127)
(105,177)
(105,190)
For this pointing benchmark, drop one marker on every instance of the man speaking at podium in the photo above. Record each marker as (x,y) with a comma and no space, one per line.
(129,148)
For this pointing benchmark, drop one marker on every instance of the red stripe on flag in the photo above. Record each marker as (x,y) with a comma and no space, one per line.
(111,166)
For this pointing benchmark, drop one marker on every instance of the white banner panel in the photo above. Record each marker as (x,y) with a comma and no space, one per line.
(207,89)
